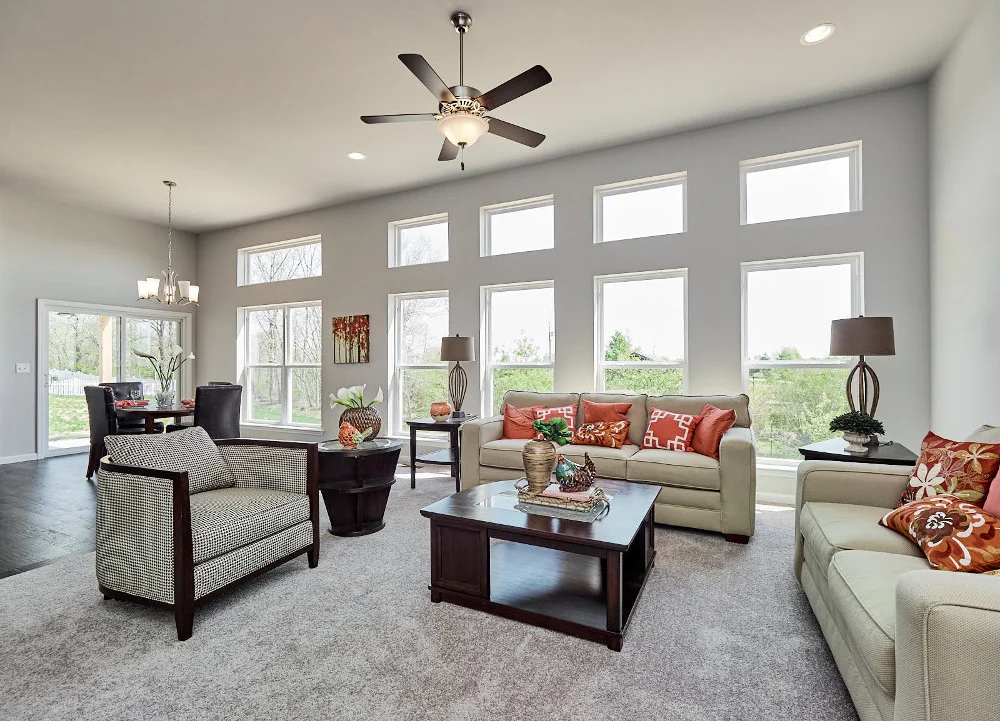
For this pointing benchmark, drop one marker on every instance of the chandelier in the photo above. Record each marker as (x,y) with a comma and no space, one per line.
(167,289)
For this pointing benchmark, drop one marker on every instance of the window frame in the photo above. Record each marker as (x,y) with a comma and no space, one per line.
(395,237)
(486,213)
(286,366)
(600,365)
(850,150)
(245,254)
(632,186)
(486,339)
(396,367)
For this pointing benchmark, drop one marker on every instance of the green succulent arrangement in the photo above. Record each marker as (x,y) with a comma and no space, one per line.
(557,431)
(857,422)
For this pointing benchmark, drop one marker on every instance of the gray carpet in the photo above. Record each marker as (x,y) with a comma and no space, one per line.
(721,632)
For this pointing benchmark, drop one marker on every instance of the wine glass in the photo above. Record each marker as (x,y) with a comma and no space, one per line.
(135,394)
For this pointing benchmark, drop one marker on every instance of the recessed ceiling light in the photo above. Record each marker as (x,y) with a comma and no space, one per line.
(818,34)
(356,156)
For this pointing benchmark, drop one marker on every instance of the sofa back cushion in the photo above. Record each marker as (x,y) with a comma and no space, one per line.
(526,399)
(189,450)
(692,405)
(637,415)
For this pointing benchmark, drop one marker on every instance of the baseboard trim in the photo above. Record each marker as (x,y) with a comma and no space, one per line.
(18,459)
(776,499)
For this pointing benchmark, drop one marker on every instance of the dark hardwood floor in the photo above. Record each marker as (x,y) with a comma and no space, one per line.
(47,511)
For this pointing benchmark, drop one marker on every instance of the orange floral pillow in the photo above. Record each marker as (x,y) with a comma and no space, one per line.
(955,535)
(602,433)
(951,467)
(670,431)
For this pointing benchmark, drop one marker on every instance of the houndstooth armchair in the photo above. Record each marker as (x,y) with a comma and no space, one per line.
(181,518)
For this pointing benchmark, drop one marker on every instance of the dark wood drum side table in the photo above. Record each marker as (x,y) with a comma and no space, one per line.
(450,456)
(355,483)
(835,449)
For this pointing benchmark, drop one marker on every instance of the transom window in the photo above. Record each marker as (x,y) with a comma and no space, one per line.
(640,208)
(282,355)
(642,332)
(518,227)
(287,260)
(795,386)
(418,241)
(822,181)
(519,339)
(419,377)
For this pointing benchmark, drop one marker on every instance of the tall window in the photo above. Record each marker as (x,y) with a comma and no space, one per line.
(282,354)
(518,226)
(815,182)
(519,340)
(795,386)
(641,329)
(420,377)
(287,260)
(640,208)
(417,241)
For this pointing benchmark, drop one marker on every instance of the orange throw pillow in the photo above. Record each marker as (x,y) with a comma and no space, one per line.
(670,431)
(708,433)
(517,422)
(957,468)
(602,433)
(567,412)
(955,535)
(608,412)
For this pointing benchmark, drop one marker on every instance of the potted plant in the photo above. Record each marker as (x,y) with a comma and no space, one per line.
(165,371)
(360,412)
(539,455)
(858,429)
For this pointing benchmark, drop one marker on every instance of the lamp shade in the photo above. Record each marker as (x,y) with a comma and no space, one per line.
(862,336)
(463,128)
(458,348)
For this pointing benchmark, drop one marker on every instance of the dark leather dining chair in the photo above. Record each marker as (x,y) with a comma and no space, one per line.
(123,392)
(103,423)
(217,410)
(219,383)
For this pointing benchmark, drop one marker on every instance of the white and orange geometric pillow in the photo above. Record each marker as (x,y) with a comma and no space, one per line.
(566,412)
(670,431)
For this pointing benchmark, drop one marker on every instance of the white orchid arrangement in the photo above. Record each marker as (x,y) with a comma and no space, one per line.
(165,371)
(354,397)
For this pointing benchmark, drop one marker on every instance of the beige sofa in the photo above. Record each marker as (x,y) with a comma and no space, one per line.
(913,644)
(696,491)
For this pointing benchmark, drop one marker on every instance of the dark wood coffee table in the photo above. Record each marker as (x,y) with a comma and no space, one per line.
(583,579)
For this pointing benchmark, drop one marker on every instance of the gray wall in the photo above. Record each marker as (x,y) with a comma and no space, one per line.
(965,230)
(892,231)
(54,251)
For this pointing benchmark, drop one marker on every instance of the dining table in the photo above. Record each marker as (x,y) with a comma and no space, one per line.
(150,413)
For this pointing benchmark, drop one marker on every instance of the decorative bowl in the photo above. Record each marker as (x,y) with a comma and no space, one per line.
(440,411)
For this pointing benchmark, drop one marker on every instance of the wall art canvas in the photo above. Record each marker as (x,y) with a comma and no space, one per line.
(351,335)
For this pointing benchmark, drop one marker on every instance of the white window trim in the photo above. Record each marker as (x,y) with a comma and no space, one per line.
(244,254)
(486,340)
(851,150)
(488,211)
(856,261)
(244,368)
(395,232)
(600,364)
(631,186)
(396,421)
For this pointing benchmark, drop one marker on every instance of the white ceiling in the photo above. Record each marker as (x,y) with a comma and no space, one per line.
(252,105)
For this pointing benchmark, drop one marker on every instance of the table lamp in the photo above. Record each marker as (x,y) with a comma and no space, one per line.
(861,337)
(458,348)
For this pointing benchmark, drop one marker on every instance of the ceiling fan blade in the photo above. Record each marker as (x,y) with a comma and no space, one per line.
(401,118)
(530,79)
(516,133)
(449,151)
(425,74)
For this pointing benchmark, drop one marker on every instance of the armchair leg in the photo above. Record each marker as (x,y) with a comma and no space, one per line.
(184,617)
(736,538)
(313,555)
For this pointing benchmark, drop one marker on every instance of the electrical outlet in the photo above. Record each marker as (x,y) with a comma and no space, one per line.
(22,368)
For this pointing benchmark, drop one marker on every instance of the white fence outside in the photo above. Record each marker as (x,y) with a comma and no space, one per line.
(75,386)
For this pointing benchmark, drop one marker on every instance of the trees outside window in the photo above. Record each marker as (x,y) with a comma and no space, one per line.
(418,241)
(419,377)
(287,260)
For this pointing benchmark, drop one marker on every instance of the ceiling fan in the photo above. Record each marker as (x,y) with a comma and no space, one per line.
(462,110)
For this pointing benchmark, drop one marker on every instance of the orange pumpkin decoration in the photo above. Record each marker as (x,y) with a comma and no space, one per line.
(349,436)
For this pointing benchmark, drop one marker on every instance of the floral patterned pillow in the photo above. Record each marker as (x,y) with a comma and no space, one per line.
(950,467)
(602,433)
(955,535)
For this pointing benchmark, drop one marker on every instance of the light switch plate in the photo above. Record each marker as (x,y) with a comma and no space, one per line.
(22,368)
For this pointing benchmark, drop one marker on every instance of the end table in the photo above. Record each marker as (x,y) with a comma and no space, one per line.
(451,456)
(355,483)
(835,449)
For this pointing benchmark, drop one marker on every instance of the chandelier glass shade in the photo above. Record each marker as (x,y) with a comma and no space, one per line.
(462,128)
(167,289)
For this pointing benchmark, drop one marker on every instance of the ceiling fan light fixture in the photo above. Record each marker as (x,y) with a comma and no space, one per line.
(463,129)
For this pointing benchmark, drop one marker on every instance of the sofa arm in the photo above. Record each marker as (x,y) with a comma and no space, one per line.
(738,481)
(947,634)
(289,466)
(860,484)
(474,434)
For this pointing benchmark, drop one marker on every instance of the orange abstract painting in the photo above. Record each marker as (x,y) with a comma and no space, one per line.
(351,335)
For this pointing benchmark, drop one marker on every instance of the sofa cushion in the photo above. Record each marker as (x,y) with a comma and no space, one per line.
(189,450)
(636,415)
(863,596)
(674,468)
(610,462)
(230,518)
(505,453)
(828,528)
(692,405)
(524,399)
